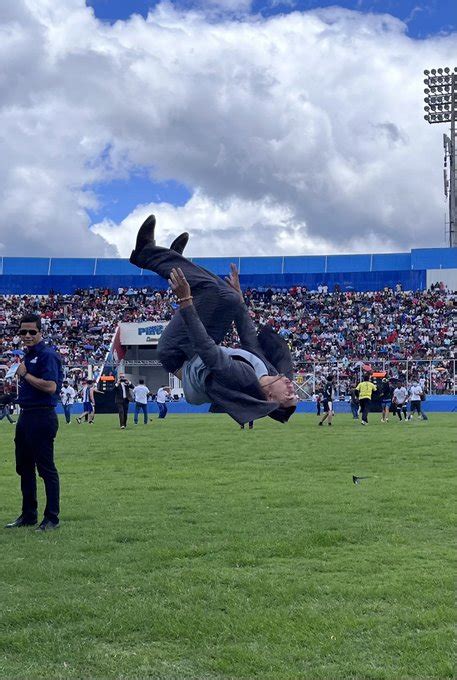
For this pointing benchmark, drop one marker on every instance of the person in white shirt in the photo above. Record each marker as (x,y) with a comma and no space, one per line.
(67,397)
(140,396)
(163,394)
(399,400)
(416,394)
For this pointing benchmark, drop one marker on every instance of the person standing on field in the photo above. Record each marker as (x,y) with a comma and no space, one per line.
(67,397)
(123,394)
(386,399)
(365,389)
(400,400)
(163,394)
(416,394)
(140,396)
(327,401)
(40,383)
(88,403)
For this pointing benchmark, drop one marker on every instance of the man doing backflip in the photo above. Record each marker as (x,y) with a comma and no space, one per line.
(249,382)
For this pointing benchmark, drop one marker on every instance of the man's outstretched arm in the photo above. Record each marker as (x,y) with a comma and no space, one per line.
(245,327)
(212,355)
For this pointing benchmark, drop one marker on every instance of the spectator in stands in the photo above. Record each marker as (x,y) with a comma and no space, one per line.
(140,396)
(123,395)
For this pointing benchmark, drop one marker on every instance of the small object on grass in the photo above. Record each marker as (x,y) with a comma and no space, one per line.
(356,480)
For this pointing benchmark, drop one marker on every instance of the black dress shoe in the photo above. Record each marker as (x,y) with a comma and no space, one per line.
(180,243)
(145,234)
(21,522)
(47,525)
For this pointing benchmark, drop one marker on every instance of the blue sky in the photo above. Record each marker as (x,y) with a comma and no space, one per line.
(423,18)
(300,131)
(118,198)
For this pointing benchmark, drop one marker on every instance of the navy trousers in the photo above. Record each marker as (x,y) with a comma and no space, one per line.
(214,300)
(35,433)
(163,409)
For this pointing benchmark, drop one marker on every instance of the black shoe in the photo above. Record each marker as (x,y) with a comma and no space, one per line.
(47,525)
(145,234)
(21,522)
(320,424)
(180,243)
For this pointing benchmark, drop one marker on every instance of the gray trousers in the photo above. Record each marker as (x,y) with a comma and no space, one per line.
(215,301)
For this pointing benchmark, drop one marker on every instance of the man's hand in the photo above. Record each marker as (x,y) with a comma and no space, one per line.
(21,371)
(234,280)
(179,285)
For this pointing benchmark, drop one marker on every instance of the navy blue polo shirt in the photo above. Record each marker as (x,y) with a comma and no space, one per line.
(42,362)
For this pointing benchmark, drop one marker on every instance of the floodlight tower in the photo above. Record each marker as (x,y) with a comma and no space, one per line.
(441,107)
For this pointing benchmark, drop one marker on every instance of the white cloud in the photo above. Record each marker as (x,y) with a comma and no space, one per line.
(306,128)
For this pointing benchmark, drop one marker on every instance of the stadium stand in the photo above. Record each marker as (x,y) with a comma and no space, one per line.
(338,312)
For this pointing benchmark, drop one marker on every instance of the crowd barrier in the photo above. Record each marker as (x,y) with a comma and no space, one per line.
(434,404)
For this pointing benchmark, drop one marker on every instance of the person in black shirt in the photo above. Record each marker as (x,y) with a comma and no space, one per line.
(40,383)
(327,401)
(386,399)
(355,403)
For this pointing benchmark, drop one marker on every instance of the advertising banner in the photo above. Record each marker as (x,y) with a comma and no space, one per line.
(145,333)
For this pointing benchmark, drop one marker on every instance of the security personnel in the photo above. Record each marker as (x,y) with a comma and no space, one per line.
(365,389)
(39,388)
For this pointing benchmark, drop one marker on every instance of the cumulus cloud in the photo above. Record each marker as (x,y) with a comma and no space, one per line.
(297,133)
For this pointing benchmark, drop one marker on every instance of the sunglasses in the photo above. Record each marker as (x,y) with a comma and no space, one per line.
(26,331)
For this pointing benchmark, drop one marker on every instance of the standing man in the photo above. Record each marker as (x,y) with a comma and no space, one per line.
(140,395)
(327,401)
(67,397)
(5,407)
(39,387)
(416,394)
(355,403)
(386,399)
(400,400)
(122,400)
(88,403)
(365,389)
(163,394)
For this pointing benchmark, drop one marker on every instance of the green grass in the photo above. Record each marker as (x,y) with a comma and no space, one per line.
(191,549)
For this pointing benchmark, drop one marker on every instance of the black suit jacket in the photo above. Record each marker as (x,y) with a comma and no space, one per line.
(232,384)
(118,392)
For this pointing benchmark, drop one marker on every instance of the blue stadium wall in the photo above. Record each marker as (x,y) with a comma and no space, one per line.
(20,275)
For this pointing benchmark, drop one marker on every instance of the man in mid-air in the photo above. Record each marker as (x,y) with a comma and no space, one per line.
(249,382)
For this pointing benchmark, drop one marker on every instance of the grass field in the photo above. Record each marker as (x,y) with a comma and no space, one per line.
(191,549)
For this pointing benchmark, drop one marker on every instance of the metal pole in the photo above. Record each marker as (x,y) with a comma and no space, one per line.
(452,196)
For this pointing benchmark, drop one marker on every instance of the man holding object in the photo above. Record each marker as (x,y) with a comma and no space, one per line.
(39,387)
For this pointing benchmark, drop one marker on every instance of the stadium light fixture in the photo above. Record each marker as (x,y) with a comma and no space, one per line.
(440,106)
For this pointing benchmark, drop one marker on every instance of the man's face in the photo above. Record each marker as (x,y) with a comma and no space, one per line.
(281,390)
(30,335)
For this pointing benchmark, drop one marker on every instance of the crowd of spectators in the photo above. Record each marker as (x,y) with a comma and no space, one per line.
(344,329)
